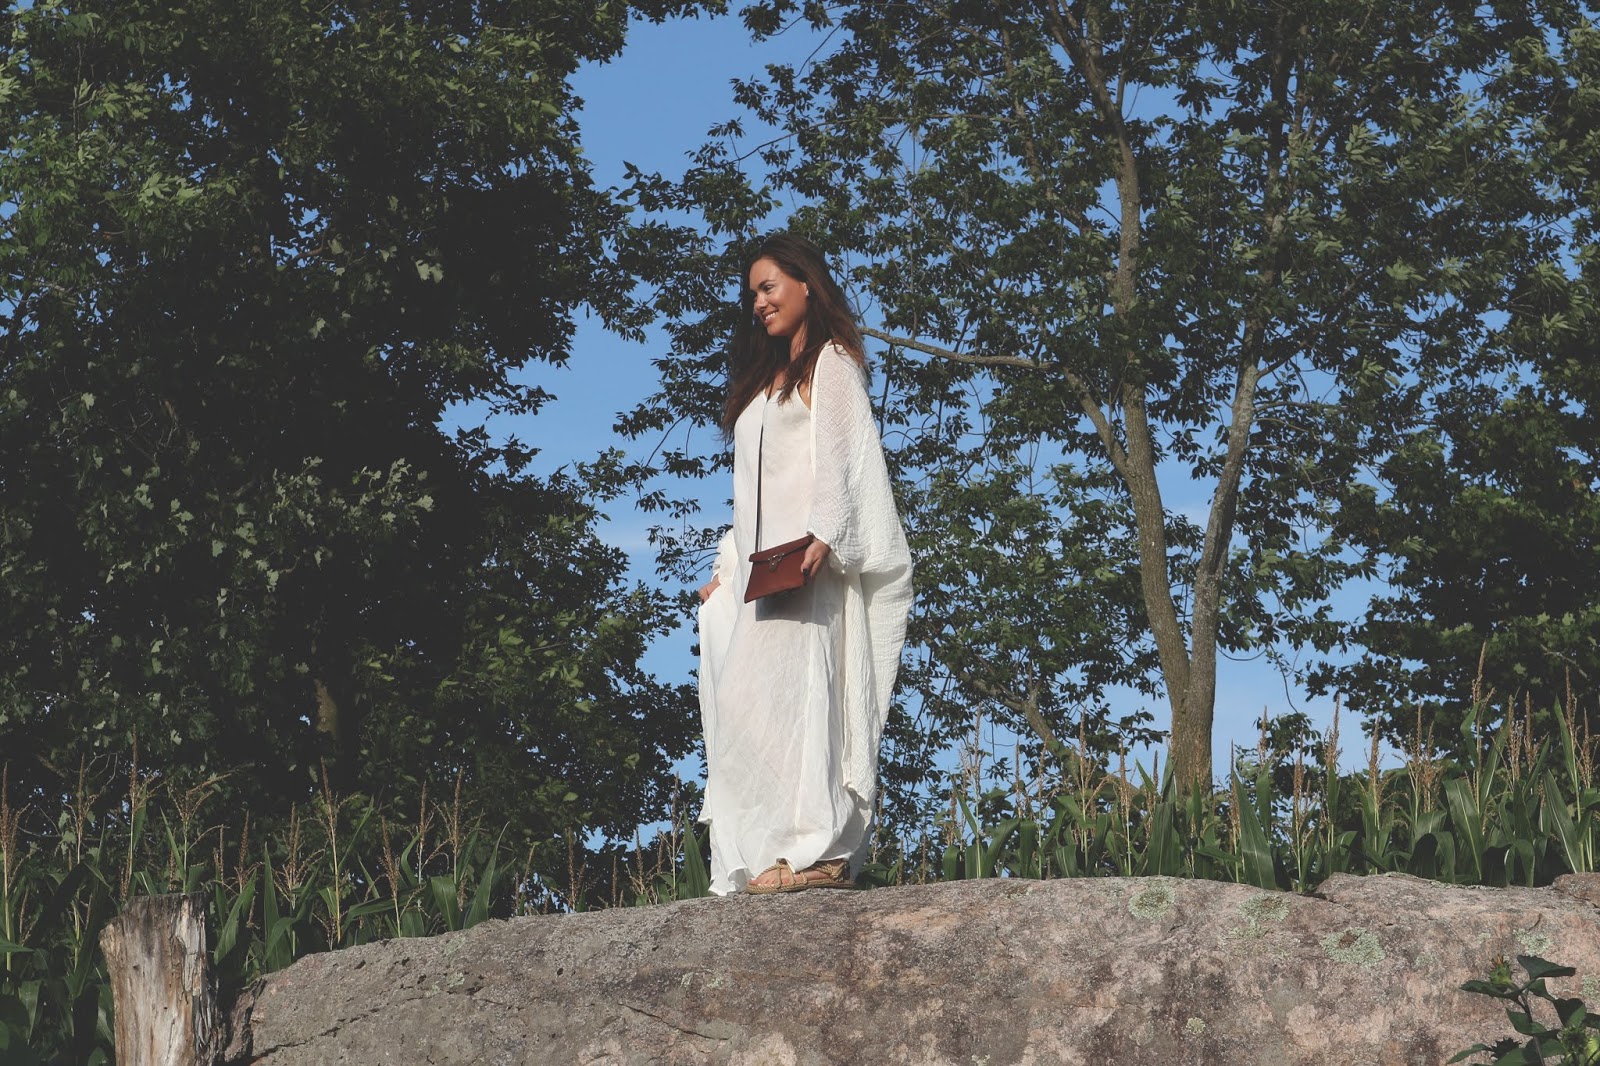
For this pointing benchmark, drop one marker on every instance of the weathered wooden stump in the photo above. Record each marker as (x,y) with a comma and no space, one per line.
(161,983)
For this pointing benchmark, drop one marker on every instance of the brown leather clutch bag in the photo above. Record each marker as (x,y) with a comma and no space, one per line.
(777,569)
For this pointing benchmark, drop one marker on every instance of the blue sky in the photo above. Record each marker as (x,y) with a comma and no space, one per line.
(651,107)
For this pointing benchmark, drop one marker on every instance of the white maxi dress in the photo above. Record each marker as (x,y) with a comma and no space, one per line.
(794,689)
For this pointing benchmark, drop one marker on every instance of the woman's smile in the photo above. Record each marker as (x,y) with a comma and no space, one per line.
(780,300)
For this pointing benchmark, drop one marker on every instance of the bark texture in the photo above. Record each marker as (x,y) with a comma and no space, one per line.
(1132,971)
(161,987)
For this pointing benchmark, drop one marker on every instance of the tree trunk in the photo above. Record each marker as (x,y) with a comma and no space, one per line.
(161,984)
(1192,723)
(338,722)
(328,721)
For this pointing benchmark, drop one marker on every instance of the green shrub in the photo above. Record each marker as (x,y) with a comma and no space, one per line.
(1574,1040)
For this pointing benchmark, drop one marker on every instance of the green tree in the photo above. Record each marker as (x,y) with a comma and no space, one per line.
(1492,589)
(1489,521)
(1233,245)
(254,258)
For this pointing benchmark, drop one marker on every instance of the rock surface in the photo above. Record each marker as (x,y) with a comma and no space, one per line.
(977,973)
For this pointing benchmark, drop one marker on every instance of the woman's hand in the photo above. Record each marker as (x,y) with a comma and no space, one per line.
(708,588)
(815,555)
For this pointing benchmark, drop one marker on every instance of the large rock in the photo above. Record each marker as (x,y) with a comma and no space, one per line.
(1127,971)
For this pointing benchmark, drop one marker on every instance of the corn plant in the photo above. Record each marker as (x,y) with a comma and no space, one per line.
(337,871)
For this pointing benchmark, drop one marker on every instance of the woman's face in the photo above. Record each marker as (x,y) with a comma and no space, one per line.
(780,301)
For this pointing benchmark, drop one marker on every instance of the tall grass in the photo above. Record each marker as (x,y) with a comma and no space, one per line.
(338,871)
(1515,811)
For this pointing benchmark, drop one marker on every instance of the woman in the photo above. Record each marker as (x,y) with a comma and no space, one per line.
(794,688)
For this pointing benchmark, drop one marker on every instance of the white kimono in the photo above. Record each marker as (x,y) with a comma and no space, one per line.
(794,690)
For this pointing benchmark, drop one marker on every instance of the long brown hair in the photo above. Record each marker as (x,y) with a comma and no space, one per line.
(758,359)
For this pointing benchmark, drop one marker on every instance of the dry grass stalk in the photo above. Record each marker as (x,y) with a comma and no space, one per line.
(1235,817)
(10,822)
(1423,768)
(577,873)
(193,798)
(331,806)
(672,829)
(1082,771)
(521,895)
(1334,751)
(1530,737)
(1299,803)
(1018,789)
(460,830)
(1515,730)
(641,884)
(391,865)
(243,868)
(10,856)
(293,873)
(218,859)
(424,823)
(1264,740)
(877,827)
(455,825)
(1124,789)
(972,761)
(140,789)
(188,804)
(950,819)
(1582,742)
(1374,776)
(1586,757)
(83,804)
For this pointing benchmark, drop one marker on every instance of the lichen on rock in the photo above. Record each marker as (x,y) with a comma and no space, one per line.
(1355,945)
(1153,902)
(1267,907)
(1260,913)
(1533,942)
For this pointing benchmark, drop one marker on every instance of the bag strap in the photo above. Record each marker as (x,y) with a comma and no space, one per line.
(760,446)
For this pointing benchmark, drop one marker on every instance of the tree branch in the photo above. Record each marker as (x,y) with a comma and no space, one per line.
(1086,399)
(945,353)
(1035,162)
(1028,708)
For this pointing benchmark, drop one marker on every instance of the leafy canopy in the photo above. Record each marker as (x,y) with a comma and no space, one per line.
(256,257)
(1144,250)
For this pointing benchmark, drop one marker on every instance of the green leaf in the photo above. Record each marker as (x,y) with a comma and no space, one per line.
(483,893)
(1541,968)
(1255,853)
(233,924)
(442,891)
(369,908)
(696,882)
(1556,817)
(1467,821)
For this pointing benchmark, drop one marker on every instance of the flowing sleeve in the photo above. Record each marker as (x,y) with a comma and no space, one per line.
(725,568)
(853,512)
(845,435)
